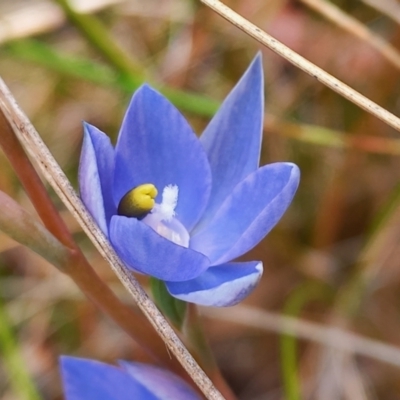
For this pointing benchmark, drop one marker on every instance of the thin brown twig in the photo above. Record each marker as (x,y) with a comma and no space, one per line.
(356,28)
(32,184)
(23,227)
(32,142)
(305,65)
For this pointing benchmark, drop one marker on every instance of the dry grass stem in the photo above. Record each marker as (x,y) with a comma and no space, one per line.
(356,28)
(32,142)
(391,8)
(327,336)
(305,65)
(330,138)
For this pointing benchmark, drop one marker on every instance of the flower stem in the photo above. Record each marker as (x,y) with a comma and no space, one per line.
(198,343)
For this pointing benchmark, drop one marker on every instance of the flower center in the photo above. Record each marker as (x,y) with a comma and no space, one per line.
(139,203)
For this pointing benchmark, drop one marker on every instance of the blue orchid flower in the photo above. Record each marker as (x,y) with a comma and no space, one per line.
(93,380)
(180,208)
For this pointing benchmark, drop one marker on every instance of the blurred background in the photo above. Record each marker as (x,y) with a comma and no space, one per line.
(334,259)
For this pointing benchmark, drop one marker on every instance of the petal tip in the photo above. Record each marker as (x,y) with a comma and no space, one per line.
(289,166)
(146,91)
(220,286)
(85,124)
(295,172)
(257,61)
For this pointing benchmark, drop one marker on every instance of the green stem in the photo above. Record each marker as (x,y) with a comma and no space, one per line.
(15,365)
(194,333)
(198,343)
(173,308)
(185,318)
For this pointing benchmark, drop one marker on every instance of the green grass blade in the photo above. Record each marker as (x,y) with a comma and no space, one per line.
(44,55)
(288,343)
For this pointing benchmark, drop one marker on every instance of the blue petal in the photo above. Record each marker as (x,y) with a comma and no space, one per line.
(156,145)
(249,213)
(232,140)
(95,174)
(145,251)
(92,380)
(161,383)
(220,286)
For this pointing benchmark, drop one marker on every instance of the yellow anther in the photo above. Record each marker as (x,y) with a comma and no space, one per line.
(138,201)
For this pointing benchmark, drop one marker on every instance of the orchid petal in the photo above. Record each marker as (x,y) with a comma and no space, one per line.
(232,140)
(145,251)
(156,145)
(161,383)
(93,380)
(95,175)
(220,286)
(249,213)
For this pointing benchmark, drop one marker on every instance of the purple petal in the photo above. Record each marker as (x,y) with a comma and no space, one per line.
(92,380)
(95,174)
(145,251)
(220,286)
(249,213)
(161,383)
(232,140)
(156,145)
